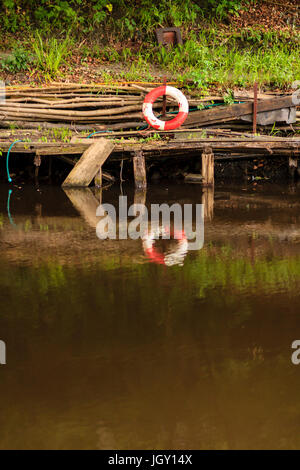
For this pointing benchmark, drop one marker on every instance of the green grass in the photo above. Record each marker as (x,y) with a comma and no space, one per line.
(216,57)
(209,57)
(50,53)
(208,60)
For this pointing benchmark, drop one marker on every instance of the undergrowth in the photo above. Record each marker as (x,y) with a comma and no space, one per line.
(122,32)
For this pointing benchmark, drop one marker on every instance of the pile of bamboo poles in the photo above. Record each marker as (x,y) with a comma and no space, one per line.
(82,107)
(72,104)
(109,106)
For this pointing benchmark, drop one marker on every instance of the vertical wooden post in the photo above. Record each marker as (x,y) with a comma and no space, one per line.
(164,100)
(140,197)
(208,167)
(293,165)
(255,109)
(208,202)
(37,164)
(139,169)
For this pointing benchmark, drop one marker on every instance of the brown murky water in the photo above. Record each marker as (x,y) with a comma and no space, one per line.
(107,350)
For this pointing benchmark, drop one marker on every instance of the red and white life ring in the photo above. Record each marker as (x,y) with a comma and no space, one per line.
(151,97)
(170,259)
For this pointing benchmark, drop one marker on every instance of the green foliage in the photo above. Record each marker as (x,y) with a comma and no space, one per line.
(49,14)
(110,54)
(229,97)
(12,16)
(50,53)
(208,55)
(138,69)
(129,15)
(207,58)
(146,15)
(19,60)
(142,14)
(222,8)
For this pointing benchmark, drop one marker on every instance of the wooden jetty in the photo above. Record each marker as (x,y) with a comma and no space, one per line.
(95,152)
(78,109)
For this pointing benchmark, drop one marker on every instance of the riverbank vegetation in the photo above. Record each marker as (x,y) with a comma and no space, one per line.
(226,43)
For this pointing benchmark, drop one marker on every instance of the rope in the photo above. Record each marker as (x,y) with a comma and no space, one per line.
(8,208)
(7,157)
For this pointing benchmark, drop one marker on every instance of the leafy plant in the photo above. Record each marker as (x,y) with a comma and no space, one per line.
(111,54)
(17,61)
(229,97)
(274,131)
(50,53)
(223,7)
(62,133)
(12,17)
(126,53)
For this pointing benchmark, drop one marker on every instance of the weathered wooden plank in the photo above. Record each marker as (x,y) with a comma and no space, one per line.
(139,169)
(235,144)
(193,178)
(208,166)
(208,202)
(293,166)
(241,138)
(222,113)
(89,164)
(249,95)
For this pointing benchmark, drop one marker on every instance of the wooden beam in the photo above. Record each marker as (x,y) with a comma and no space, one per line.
(89,164)
(268,145)
(139,169)
(254,118)
(193,178)
(208,202)
(208,166)
(293,166)
(140,197)
(227,113)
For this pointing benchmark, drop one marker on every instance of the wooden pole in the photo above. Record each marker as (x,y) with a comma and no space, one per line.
(208,202)
(255,109)
(208,167)
(193,178)
(89,164)
(164,100)
(140,197)
(293,165)
(139,169)
(37,163)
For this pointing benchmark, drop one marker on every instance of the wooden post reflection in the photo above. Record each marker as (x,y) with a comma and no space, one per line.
(208,202)
(140,196)
(139,170)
